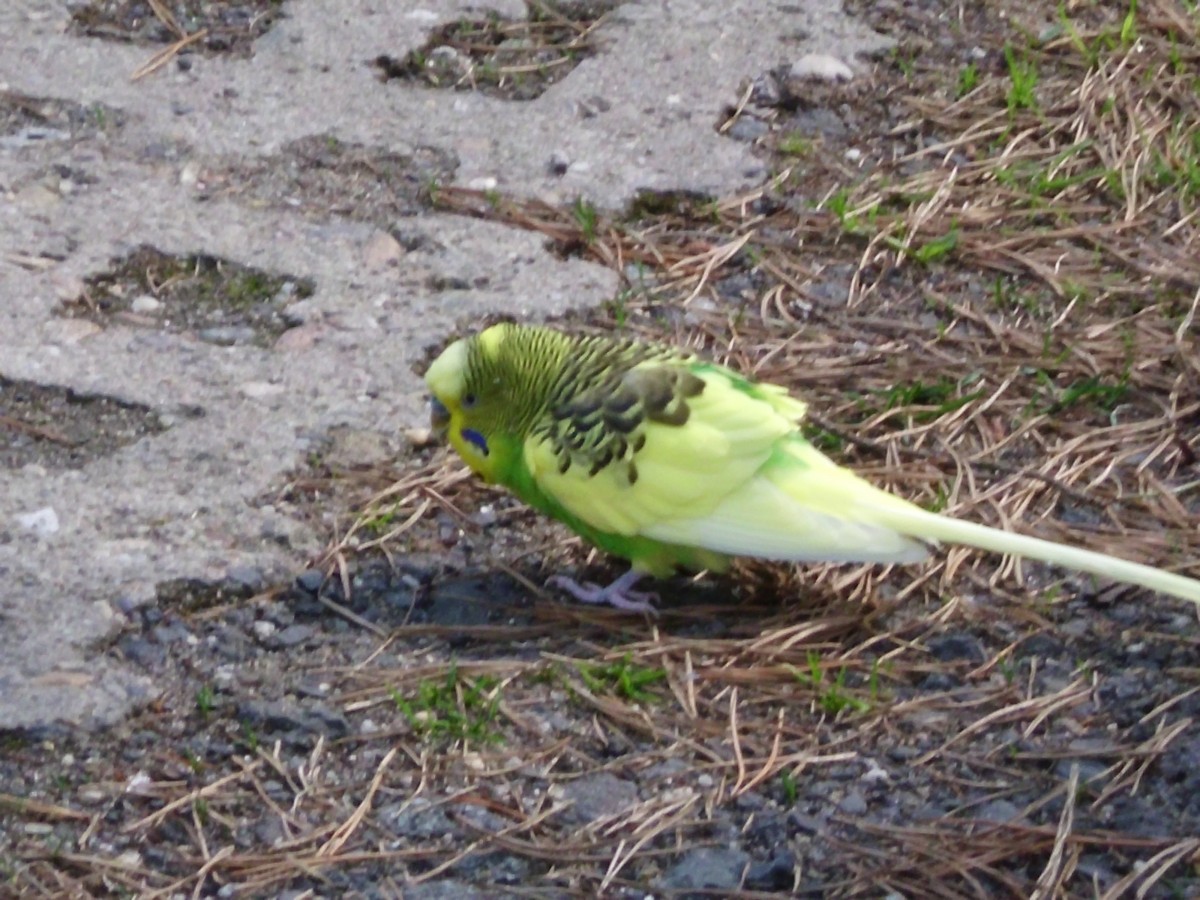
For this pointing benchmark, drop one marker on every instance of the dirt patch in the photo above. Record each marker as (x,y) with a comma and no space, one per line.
(215,300)
(512,60)
(212,26)
(58,428)
(49,129)
(37,121)
(322,176)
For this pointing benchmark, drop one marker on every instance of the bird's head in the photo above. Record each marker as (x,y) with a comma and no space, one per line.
(473,400)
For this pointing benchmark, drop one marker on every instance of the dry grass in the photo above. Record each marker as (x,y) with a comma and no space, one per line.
(515,59)
(1015,346)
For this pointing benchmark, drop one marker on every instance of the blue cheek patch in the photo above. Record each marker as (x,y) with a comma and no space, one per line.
(471,436)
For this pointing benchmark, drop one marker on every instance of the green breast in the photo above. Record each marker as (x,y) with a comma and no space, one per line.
(644,554)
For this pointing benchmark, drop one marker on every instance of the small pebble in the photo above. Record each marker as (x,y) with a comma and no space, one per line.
(853,804)
(419,437)
(250,577)
(42,521)
(227,335)
(260,390)
(382,250)
(748,129)
(293,635)
(310,580)
(711,868)
(821,66)
(559,163)
(189,175)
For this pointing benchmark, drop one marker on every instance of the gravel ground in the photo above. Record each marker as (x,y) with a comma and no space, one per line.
(213,27)
(415,716)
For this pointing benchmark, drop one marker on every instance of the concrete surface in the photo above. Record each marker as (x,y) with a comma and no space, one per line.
(187,501)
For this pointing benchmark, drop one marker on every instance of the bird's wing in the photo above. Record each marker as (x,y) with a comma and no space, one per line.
(691,454)
(662,441)
(799,507)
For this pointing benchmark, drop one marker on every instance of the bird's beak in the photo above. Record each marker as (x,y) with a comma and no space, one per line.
(439,417)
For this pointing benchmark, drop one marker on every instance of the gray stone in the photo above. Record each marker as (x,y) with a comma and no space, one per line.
(288,716)
(775,874)
(293,635)
(420,819)
(228,335)
(820,121)
(805,823)
(707,868)
(597,796)
(450,889)
(269,830)
(853,804)
(43,522)
(147,654)
(1000,811)
(171,632)
(956,645)
(480,818)
(310,580)
(821,66)
(250,577)
(232,644)
(382,250)
(279,614)
(747,128)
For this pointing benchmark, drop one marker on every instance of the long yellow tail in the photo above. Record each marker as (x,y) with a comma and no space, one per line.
(916,522)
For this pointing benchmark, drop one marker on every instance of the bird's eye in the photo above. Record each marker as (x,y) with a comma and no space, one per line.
(468,401)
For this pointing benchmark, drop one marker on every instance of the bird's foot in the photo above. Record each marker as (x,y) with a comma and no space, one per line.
(617,594)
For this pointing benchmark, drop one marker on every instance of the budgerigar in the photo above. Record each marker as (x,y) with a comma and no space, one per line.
(655,455)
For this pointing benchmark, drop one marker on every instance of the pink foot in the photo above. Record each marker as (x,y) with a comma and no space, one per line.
(617,594)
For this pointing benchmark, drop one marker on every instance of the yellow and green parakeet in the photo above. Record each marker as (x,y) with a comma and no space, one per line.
(655,455)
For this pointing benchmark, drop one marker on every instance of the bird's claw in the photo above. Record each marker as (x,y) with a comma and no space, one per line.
(617,594)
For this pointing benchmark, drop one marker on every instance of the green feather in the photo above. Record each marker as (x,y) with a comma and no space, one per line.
(672,462)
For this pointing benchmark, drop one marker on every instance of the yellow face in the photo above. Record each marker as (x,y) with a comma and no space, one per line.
(457,409)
